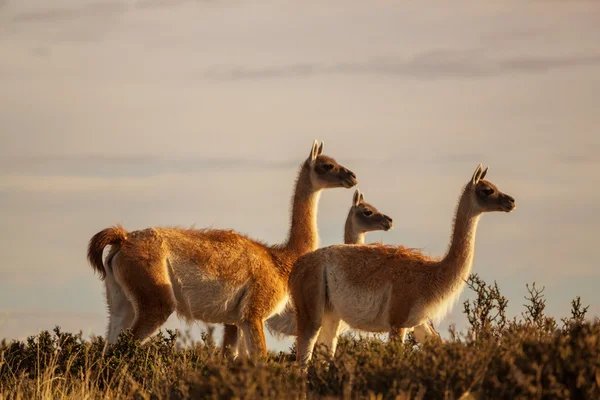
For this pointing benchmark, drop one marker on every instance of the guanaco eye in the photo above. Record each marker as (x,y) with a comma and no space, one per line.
(367,213)
(328,167)
(487,192)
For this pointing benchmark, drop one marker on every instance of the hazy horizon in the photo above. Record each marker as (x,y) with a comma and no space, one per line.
(157,113)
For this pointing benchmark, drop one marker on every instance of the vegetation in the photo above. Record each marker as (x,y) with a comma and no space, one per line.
(533,356)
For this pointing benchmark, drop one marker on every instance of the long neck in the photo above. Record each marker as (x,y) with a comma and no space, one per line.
(304,236)
(351,234)
(458,261)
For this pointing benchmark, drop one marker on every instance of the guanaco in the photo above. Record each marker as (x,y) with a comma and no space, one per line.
(362,218)
(380,288)
(216,276)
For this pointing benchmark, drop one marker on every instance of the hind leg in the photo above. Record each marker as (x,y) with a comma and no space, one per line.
(148,288)
(305,342)
(310,306)
(120,310)
(329,332)
(309,316)
(152,313)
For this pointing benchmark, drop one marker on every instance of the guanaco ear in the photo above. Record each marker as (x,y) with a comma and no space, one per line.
(314,150)
(362,198)
(476,175)
(483,173)
(356,198)
(321,148)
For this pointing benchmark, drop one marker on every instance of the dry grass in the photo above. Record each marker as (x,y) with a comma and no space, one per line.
(530,357)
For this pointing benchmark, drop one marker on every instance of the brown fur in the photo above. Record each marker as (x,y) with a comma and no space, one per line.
(218,276)
(385,288)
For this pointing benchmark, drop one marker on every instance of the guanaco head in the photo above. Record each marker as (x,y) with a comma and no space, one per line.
(486,195)
(325,172)
(365,217)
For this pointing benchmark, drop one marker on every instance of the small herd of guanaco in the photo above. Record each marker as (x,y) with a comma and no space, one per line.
(221,276)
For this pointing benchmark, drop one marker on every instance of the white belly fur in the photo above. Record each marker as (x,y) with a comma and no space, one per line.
(202,297)
(366,310)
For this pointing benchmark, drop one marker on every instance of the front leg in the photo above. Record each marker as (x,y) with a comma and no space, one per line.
(230,341)
(397,334)
(398,318)
(254,336)
(424,332)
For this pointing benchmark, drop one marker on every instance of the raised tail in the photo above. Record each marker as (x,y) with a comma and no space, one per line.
(113,236)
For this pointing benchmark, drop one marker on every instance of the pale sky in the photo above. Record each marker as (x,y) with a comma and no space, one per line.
(158,112)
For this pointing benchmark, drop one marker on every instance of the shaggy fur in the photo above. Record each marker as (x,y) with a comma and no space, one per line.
(217,276)
(385,288)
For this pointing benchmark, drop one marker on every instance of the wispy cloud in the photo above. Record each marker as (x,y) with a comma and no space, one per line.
(590,156)
(147,4)
(130,166)
(96,9)
(429,65)
(577,159)
(141,165)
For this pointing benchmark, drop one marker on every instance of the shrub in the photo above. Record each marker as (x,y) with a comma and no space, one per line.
(530,357)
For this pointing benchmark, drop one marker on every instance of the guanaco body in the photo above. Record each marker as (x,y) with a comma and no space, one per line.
(387,288)
(362,218)
(216,276)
